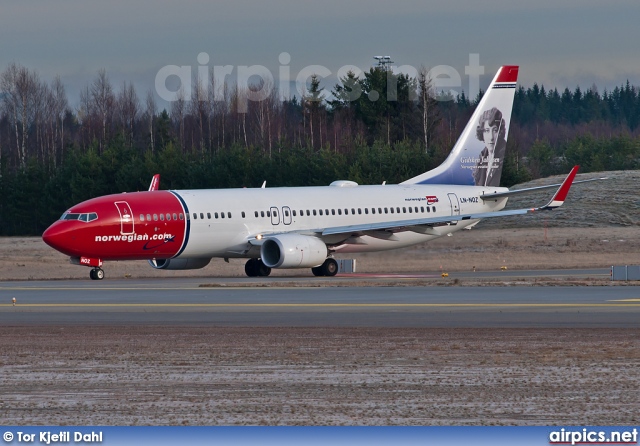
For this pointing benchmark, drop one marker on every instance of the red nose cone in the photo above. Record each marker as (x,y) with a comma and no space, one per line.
(58,238)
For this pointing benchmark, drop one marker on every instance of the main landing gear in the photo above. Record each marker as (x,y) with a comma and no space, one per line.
(328,268)
(255,268)
(96,274)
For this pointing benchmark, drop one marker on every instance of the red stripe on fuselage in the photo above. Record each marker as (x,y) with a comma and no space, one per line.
(116,235)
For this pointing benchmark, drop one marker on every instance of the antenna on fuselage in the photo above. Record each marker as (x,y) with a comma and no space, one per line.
(264,184)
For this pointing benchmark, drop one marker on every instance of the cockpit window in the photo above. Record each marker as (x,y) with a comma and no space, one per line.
(86,217)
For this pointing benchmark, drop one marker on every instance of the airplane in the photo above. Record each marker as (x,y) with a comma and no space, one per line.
(304,227)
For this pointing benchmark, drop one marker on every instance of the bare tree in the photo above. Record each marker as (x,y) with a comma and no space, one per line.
(150,114)
(198,108)
(20,88)
(128,110)
(178,109)
(61,106)
(103,100)
(430,115)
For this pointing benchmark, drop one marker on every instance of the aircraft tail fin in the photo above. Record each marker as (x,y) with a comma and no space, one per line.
(478,155)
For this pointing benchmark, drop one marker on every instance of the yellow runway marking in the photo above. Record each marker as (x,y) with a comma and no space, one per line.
(625,300)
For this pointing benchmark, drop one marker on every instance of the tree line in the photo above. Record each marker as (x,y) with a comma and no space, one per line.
(378,127)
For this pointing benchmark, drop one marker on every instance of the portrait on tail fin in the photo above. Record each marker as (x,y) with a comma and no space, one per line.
(490,130)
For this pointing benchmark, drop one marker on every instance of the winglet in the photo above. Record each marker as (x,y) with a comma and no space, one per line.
(561,194)
(155,182)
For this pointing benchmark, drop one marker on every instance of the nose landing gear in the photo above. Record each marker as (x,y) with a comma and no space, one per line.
(96,274)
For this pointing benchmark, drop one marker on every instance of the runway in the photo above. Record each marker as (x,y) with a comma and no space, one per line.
(301,302)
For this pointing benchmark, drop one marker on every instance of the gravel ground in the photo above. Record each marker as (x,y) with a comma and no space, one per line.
(316,376)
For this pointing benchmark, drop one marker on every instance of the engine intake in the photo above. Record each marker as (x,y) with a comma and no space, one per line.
(177,264)
(293,251)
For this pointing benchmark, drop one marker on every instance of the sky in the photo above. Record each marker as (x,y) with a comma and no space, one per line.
(558,43)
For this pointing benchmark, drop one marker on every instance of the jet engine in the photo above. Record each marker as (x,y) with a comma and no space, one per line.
(293,251)
(174,264)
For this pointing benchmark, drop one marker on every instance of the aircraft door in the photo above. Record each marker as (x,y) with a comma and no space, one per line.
(275,217)
(126,217)
(286,215)
(455,204)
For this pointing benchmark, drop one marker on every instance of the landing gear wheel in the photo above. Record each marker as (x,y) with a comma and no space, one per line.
(255,268)
(263,270)
(251,268)
(329,267)
(96,274)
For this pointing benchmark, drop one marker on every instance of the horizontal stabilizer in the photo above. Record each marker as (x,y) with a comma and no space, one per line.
(529,190)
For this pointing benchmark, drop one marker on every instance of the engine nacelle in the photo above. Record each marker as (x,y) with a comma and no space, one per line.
(175,264)
(293,251)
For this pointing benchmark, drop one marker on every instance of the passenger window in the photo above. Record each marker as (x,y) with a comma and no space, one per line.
(320,211)
(422,209)
(161,217)
(262,213)
(201,215)
(333,212)
(339,211)
(359,211)
(195,216)
(294,213)
(215,215)
(181,215)
(229,214)
(221,214)
(275,214)
(397,210)
(392,210)
(353,211)
(148,217)
(326,212)
(141,217)
(404,210)
(256,214)
(243,214)
(379,210)
(434,208)
(209,215)
(187,215)
(308,213)
(410,210)
(314,212)
(428,209)
(366,211)
(286,213)
(168,217)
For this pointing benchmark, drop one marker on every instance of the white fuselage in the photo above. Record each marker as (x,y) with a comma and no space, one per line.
(222,221)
